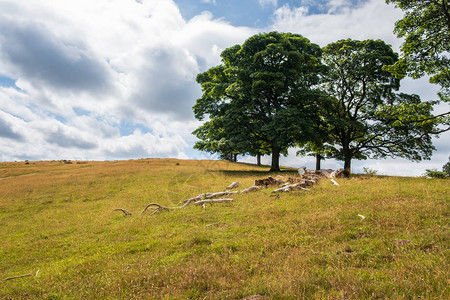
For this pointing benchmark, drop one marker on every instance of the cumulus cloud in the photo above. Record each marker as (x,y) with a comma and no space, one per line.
(33,52)
(7,129)
(369,20)
(85,68)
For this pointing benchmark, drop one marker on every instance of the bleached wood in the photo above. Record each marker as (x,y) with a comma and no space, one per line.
(234,185)
(211,201)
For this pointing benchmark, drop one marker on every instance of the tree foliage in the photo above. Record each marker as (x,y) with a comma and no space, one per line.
(262,94)
(364,109)
(426,30)
(446,168)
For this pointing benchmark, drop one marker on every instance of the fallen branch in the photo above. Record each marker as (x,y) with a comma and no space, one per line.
(127,213)
(210,196)
(288,188)
(158,207)
(268,181)
(21,276)
(233,185)
(251,189)
(211,201)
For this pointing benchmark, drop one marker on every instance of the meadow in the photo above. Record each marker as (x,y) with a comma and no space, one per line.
(58,226)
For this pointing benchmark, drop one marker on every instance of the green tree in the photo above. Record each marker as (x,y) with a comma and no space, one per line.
(262,94)
(446,168)
(362,113)
(426,30)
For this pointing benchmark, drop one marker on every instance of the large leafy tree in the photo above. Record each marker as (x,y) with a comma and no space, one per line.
(364,108)
(262,94)
(426,30)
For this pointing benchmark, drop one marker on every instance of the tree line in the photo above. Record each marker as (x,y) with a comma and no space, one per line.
(279,90)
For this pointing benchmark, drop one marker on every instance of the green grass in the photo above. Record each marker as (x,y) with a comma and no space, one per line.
(58,219)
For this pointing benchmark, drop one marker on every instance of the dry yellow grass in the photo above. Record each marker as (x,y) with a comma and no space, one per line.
(57,218)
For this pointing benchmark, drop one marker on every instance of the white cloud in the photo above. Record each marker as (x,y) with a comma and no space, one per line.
(371,20)
(85,68)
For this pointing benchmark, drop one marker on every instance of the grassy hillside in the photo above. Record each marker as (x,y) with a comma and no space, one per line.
(57,218)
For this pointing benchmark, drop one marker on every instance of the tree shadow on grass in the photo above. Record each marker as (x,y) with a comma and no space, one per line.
(256,173)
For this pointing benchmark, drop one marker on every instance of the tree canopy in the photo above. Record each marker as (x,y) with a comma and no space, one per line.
(263,93)
(361,118)
(279,90)
(426,30)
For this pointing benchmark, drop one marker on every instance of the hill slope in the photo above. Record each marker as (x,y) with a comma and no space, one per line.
(57,218)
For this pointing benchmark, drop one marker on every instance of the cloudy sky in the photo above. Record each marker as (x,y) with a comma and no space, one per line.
(115,79)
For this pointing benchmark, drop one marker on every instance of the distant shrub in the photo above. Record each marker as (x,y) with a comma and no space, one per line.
(434,173)
(27,162)
(369,171)
(446,168)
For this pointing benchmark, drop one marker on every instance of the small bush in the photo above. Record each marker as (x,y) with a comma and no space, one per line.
(433,173)
(369,171)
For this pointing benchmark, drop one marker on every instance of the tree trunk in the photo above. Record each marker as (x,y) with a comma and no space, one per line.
(275,167)
(318,159)
(347,163)
(258,159)
(347,155)
(235,157)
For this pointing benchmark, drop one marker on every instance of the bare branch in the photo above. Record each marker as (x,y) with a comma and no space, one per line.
(211,201)
(20,276)
(127,213)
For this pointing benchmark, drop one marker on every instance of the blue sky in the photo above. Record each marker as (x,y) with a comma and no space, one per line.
(255,13)
(115,79)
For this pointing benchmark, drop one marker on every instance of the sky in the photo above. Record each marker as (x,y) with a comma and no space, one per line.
(115,79)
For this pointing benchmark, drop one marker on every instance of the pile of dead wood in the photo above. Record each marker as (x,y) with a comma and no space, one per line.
(305,179)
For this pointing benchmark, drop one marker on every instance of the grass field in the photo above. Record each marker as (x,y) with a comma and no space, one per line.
(56,218)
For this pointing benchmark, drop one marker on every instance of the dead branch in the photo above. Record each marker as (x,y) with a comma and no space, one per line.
(268,181)
(127,213)
(209,196)
(291,187)
(211,201)
(251,189)
(20,276)
(157,207)
(219,194)
(234,185)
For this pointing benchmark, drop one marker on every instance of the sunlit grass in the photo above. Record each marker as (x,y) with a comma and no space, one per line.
(57,218)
